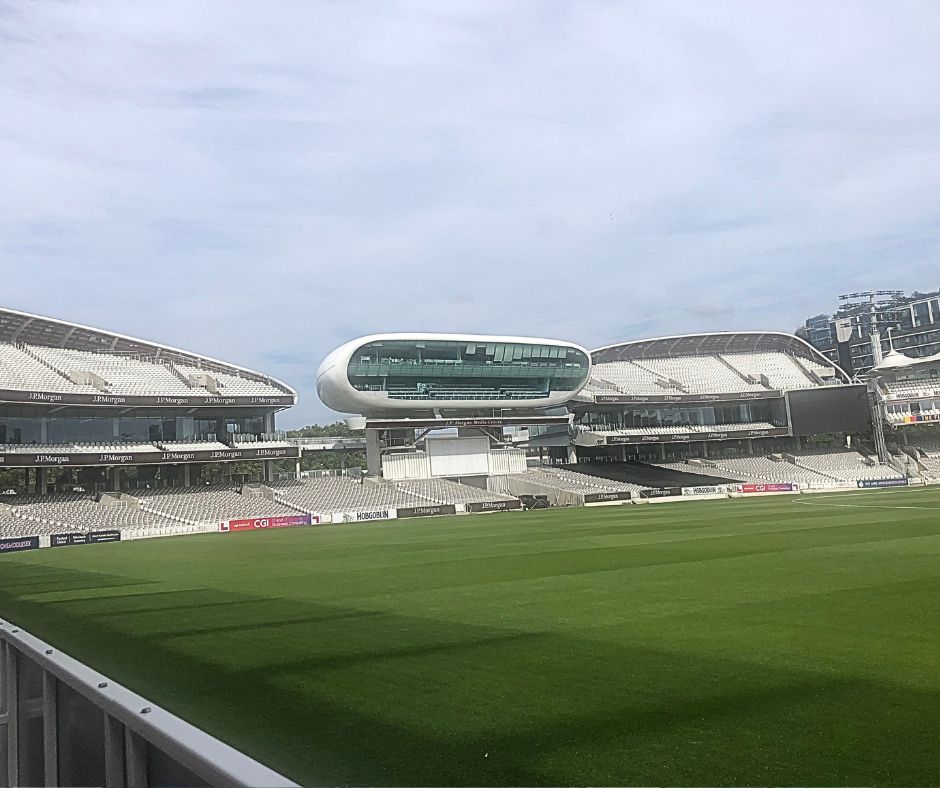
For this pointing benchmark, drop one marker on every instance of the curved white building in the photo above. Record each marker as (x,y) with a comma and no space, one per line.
(389,374)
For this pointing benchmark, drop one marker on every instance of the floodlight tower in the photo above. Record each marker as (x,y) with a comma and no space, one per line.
(881,307)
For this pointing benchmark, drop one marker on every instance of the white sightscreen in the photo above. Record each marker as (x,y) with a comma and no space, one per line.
(459,456)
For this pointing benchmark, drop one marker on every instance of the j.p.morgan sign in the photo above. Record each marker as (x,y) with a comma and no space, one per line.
(126,400)
(30,460)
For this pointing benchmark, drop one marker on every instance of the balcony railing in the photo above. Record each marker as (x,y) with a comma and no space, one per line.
(62,723)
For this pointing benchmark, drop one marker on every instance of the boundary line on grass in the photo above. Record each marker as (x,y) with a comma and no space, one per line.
(822,500)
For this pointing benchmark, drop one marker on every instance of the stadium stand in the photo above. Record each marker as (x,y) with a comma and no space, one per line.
(781,370)
(760,469)
(844,465)
(698,374)
(446,492)
(806,466)
(67,370)
(205,445)
(208,504)
(928,455)
(19,370)
(574,481)
(339,494)
(59,512)
(644,476)
(117,374)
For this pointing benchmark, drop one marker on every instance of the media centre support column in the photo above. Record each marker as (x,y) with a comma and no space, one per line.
(373,453)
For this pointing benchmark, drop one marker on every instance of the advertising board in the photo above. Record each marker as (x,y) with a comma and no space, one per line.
(604,497)
(427,511)
(362,517)
(867,484)
(661,492)
(261,523)
(79,537)
(494,506)
(17,543)
(769,487)
(712,489)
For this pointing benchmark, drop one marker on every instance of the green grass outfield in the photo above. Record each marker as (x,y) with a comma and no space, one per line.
(779,641)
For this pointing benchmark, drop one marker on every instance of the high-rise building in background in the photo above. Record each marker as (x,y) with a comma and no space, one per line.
(874,322)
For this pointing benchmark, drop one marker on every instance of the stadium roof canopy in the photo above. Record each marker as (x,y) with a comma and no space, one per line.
(894,360)
(23,327)
(711,344)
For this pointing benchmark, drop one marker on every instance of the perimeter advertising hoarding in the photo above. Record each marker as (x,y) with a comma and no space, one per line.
(769,487)
(869,483)
(78,537)
(362,517)
(494,506)
(18,543)
(261,523)
(661,492)
(708,489)
(603,497)
(427,511)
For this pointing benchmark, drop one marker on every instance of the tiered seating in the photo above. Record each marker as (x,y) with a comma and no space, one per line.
(341,494)
(123,375)
(573,481)
(13,526)
(34,448)
(645,475)
(445,491)
(845,465)
(74,448)
(782,371)
(77,512)
(699,374)
(192,445)
(263,445)
(232,385)
(930,460)
(708,374)
(765,469)
(44,368)
(208,504)
(631,379)
(18,370)
(912,389)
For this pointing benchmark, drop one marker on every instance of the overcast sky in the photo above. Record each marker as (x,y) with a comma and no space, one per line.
(262,181)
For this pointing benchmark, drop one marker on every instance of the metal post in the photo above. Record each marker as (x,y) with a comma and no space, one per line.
(50,728)
(113,752)
(135,753)
(13,766)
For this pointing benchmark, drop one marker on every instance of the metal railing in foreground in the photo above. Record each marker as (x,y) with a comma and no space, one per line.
(62,723)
